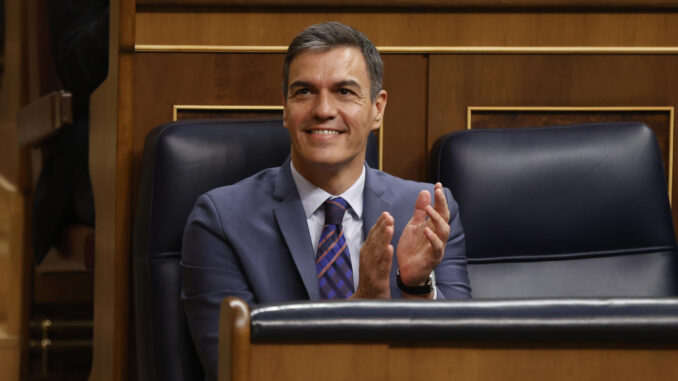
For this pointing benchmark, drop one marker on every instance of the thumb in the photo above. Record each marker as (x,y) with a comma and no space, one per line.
(423,200)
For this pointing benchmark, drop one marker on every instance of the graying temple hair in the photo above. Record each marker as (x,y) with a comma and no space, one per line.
(333,34)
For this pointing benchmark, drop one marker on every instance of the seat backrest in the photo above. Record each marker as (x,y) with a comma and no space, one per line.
(570,211)
(181,161)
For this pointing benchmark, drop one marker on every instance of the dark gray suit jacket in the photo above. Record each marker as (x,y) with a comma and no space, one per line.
(251,240)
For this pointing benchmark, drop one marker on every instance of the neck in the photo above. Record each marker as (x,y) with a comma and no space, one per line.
(334,180)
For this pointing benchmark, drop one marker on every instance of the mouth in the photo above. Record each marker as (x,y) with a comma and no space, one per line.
(323,132)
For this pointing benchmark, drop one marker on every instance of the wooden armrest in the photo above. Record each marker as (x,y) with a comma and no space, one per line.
(234,340)
(44,117)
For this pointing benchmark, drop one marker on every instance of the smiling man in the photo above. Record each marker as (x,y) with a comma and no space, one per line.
(323,225)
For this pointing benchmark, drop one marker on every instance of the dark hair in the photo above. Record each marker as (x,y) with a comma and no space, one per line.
(333,34)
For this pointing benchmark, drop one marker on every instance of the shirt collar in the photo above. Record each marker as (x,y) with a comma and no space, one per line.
(313,197)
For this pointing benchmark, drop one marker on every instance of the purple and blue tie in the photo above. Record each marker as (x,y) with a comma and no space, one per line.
(333,261)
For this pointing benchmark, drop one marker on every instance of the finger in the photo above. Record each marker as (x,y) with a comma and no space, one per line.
(384,265)
(423,200)
(380,235)
(439,225)
(440,204)
(387,234)
(378,227)
(436,243)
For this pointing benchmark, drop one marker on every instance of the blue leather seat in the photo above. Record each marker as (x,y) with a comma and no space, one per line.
(568,211)
(182,160)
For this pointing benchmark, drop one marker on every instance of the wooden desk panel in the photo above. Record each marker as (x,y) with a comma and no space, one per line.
(373,359)
(453,361)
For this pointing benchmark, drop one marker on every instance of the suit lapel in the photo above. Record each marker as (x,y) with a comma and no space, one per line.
(375,200)
(289,214)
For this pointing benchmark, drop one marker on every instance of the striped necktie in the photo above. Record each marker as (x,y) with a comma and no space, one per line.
(333,261)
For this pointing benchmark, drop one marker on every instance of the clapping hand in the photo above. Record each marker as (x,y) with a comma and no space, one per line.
(422,243)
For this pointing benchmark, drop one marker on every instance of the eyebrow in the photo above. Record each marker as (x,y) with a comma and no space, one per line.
(347,83)
(300,84)
(344,83)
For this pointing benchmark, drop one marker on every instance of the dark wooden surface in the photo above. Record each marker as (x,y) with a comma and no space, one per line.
(473,4)
(459,361)
(519,28)
(404,129)
(184,114)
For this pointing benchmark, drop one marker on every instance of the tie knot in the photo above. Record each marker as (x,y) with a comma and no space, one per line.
(334,210)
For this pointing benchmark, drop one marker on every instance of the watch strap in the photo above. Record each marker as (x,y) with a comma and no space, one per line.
(418,290)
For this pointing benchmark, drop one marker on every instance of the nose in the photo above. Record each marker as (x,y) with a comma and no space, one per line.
(324,107)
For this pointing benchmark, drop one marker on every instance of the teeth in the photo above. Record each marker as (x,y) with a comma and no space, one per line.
(325,132)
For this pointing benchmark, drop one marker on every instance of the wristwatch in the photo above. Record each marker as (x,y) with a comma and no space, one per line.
(419,290)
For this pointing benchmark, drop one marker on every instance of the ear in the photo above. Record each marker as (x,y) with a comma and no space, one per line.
(379,105)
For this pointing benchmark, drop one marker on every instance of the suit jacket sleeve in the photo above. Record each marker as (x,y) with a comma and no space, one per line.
(451,275)
(211,272)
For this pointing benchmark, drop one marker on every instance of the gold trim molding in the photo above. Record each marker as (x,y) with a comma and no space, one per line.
(669,109)
(152,48)
(177,108)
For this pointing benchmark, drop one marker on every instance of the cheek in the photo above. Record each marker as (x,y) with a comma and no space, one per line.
(354,114)
(294,116)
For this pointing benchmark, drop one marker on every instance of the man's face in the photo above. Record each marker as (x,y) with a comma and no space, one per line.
(328,110)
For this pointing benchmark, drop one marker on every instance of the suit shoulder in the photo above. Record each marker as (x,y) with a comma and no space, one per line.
(399,184)
(257,186)
(408,190)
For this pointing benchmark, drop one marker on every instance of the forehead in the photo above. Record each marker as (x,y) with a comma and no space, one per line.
(336,63)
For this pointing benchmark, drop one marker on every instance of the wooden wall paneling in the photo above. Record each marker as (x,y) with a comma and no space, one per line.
(111,124)
(163,80)
(416,29)
(457,81)
(14,184)
(17,261)
(13,88)
(404,129)
(244,112)
(9,358)
(5,225)
(549,4)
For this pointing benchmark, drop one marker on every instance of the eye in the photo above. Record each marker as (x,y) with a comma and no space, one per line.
(345,92)
(300,92)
